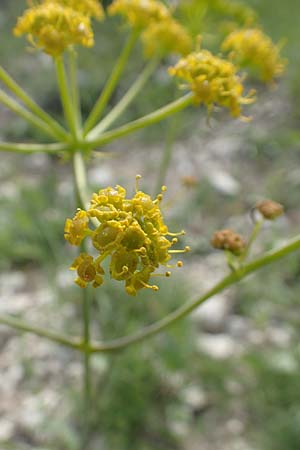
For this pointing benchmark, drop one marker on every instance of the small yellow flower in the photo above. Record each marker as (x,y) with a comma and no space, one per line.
(88,271)
(213,80)
(140,13)
(253,49)
(166,36)
(131,232)
(53,28)
(76,228)
(90,8)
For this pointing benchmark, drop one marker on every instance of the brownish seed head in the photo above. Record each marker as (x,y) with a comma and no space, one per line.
(228,240)
(269,209)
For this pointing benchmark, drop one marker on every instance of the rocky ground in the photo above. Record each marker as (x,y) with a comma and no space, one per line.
(35,372)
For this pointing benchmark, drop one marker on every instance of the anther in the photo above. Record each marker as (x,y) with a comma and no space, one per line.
(137,179)
(179,263)
(180,233)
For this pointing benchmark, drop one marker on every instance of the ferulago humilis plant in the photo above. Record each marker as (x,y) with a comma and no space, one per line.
(130,232)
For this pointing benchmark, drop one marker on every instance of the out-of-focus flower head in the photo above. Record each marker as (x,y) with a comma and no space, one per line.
(228,240)
(140,13)
(269,209)
(53,27)
(166,36)
(90,8)
(131,232)
(251,48)
(213,80)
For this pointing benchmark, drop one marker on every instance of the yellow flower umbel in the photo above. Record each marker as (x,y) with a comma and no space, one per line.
(140,13)
(166,36)
(53,27)
(90,8)
(131,232)
(214,81)
(253,49)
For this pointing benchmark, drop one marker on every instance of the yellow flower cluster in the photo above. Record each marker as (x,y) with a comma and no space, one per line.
(140,13)
(54,25)
(131,232)
(252,48)
(214,81)
(166,36)
(90,8)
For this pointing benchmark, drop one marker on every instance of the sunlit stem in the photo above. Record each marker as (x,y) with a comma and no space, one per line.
(111,83)
(65,96)
(126,100)
(57,130)
(32,148)
(14,106)
(145,121)
(80,181)
(74,87)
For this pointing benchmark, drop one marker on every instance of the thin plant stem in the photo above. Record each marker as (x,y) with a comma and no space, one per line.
(167,154)
(145,121)
(183,311)
(112,82)
(14,106)
(87,382)
(126,100)
(52,336)
(74,86)
(65,96)
(32,148)
(118,344)
(255,231)
(80,182)
(57,129)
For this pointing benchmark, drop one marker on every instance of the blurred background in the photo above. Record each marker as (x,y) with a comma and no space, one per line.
(226,378)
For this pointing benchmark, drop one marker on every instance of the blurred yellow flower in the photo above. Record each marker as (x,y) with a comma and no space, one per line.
(131,232)
(166,36)
(254,49)
(214,81)
(140,13)
(52,28)
(90,8)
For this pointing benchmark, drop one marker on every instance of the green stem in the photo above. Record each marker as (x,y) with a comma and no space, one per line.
(14,106)
(111,83)
(87,383)
(186,309)
(80,181)
(20,325)
(149,119)
(125,101)
(253,236)
(65,96)
(31,148)
(167,154)
(120,343)
(74,87)
(57,129)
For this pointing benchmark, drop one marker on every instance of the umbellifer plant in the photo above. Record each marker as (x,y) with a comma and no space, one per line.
(131,232)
